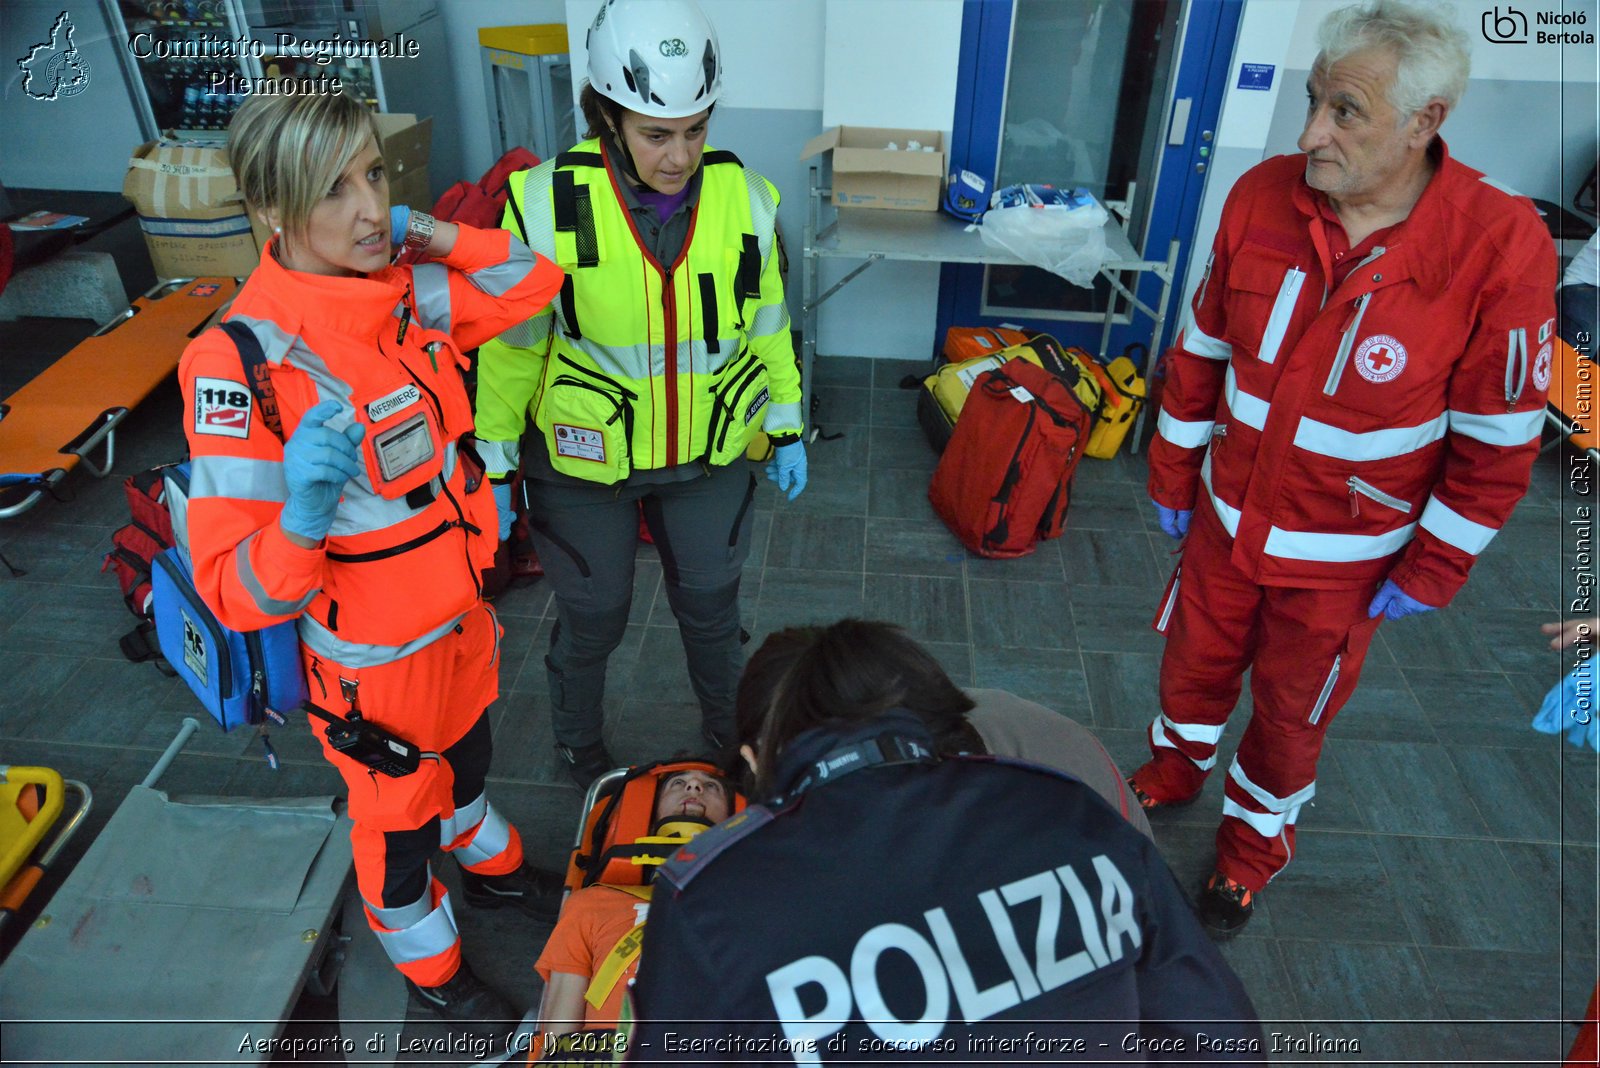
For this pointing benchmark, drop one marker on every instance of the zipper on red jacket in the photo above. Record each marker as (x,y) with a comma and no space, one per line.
(1516,365)
(669,301)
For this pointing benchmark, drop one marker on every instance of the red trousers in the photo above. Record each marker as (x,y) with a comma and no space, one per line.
(436,697)
(1304,649)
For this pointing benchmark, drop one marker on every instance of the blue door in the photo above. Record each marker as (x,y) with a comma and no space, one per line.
(1101,94)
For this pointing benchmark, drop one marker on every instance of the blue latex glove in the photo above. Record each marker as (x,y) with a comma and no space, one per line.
(788,468)
(1570,708)
(399,222)
(317,462)
(1394,603)
(502,504)
(1175,521)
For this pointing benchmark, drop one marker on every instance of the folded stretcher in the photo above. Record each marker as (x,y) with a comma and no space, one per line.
(73,407)
(1574,404)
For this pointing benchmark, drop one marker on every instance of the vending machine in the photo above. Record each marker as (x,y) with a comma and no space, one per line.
(193,62)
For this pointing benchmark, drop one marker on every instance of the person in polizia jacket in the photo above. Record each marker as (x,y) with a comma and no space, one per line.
(889,899)
(668,350)
(1351,412)
(360,509)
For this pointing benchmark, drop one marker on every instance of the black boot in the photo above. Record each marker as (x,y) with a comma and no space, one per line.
(465,997)
(533,890)
(586,763)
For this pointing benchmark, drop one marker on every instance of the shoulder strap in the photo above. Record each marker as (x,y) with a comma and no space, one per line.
(256,374)
(720,155)
(624,953)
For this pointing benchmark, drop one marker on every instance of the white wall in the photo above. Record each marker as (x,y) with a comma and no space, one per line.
(887,63)
(1527,119)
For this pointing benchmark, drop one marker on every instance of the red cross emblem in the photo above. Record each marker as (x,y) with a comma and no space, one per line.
(1380,358)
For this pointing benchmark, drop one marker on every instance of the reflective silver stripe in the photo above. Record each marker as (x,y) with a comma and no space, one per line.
(1248,408)
(490,841)
(1506,189)
(763,210)
(1304,545)
(1371,492)
(500,457)
(1327,440)
(237,478)
(430,289)
(500,278)
(1196,342)
(1346,342)
(1327,692)
(1185,435)
(639,361)
(324,643)
(526,335)
(770,319)
(1171,602)
(1336,548)
(464,819)
(1512,428)
(363,512)
(1267,800)
(1516,363)
(246,573)
(428,937)
(449,468)
(1453,528)
(1225,512)
(275,340)
(1207,733)
(403,916)
(782,418)
(1266,824)
(1205,279)
(1158,737)
(1282,312)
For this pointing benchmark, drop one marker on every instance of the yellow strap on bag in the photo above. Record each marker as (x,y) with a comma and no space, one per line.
(624,953)
(1118,409)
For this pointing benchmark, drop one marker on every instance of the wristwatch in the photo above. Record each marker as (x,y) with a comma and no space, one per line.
(419,230)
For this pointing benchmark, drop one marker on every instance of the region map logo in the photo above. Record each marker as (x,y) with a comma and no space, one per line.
(54,69)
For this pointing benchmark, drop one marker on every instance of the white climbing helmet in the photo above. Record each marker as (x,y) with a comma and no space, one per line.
(656,57)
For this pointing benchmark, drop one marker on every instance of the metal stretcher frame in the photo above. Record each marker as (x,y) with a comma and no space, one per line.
(72,408)
(932,237)
(184,934)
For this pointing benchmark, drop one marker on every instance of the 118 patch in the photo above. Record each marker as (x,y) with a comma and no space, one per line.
(221,407)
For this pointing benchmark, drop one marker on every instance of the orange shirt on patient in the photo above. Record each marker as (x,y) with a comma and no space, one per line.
(593,921)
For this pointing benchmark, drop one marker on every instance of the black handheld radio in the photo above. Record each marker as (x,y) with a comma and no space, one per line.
(367,743)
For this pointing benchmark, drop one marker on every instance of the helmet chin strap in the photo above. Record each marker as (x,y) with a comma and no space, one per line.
(630,170)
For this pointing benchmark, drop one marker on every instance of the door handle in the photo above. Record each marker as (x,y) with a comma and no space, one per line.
(1178,131)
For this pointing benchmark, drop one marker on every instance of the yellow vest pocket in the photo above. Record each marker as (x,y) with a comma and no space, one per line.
(587,428)
(739,402)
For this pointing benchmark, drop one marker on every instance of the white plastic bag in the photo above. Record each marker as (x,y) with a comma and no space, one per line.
(1067,241)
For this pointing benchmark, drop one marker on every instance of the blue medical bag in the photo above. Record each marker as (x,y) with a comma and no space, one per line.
(237,675)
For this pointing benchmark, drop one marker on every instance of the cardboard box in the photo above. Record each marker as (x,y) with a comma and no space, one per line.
(867,174)
(193,217)
(190,210)
(406,145)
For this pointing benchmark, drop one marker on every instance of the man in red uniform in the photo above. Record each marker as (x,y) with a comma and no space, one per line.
(1351,413)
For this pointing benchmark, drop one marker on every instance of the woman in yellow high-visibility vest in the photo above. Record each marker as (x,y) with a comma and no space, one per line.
(668,350)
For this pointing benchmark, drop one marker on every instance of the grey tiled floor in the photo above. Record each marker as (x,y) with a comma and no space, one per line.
(1443,906)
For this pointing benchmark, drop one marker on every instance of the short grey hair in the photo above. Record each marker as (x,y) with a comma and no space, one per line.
(1431,50)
